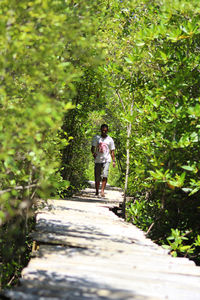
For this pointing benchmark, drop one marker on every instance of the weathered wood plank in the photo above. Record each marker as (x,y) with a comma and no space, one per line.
(87,252)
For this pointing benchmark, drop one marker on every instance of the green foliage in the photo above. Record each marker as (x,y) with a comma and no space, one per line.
(15,248)
(176,243)
(46,46)
(78,124)
(153,59)
(66,67)
(138,214)
(49,51)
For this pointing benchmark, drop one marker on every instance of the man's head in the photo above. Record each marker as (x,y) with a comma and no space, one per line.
(104,130)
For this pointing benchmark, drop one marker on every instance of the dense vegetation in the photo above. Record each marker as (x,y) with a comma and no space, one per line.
(154,75)
(68,66)
(47,47)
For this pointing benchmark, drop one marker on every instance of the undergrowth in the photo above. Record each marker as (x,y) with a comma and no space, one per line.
(15,248)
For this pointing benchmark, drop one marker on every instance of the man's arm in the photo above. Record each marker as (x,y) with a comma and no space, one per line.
(113,157)
(93,148)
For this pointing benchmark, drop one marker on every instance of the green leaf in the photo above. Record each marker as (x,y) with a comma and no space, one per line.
(189,168)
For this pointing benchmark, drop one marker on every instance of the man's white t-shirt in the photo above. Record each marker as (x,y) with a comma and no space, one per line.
(103,148)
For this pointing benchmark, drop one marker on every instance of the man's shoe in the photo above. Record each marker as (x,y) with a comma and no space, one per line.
(102,195)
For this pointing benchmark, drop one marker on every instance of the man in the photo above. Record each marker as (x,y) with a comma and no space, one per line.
(102,150)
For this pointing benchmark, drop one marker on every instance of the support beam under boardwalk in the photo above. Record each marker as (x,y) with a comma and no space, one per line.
(84,251)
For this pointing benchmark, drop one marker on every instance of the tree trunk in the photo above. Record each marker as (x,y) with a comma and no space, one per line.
(129,127)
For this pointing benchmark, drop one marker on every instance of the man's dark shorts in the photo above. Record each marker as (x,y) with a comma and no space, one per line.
(101,170)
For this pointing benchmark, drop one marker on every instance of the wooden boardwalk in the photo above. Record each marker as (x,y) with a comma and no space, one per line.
(85,252)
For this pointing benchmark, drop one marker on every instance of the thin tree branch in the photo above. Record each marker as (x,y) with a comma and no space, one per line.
(20,187)
(120,99)
(128,128)
(11,280)
(150,227)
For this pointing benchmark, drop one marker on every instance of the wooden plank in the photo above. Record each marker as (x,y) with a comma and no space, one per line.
(87,252)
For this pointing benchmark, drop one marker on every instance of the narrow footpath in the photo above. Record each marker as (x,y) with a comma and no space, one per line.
(82,251)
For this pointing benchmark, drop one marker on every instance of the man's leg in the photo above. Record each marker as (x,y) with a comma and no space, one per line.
(97,173)
(103,186)
(97,184)
(105,176)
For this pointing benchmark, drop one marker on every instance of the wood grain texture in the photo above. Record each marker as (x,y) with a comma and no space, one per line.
(86,252)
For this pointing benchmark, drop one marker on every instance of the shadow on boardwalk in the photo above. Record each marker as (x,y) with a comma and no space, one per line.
(67,287)
(84,251)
